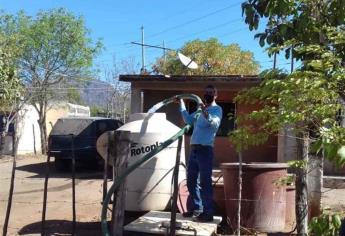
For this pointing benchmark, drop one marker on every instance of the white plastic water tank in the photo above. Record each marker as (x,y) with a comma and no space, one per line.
(149,187)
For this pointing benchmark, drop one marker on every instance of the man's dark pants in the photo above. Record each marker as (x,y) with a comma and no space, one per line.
(200,168)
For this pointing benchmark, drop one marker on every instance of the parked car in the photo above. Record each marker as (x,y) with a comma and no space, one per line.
(84,131)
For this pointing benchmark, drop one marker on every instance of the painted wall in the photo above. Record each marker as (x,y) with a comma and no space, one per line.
(224,151)
(57,111)
(28,131)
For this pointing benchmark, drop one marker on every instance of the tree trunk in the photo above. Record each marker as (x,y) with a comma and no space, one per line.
(42,112)
(2,137)
(43,133)
(2,143)
(301,185)
(315,174)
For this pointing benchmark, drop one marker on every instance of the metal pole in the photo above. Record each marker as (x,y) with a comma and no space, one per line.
(153,46)
(142,50)
(73,186)
(164,52)
(174,200)
(45,191)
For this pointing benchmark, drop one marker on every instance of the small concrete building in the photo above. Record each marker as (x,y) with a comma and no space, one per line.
(147,90)
(28,129)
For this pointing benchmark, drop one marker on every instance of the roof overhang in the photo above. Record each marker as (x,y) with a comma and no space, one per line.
(186,82)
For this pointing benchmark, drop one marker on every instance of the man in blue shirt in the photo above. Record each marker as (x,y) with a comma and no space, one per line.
(200,159)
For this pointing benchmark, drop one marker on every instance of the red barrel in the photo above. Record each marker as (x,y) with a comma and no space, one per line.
(263,202)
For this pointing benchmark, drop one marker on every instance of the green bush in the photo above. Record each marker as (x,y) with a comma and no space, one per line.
(325,225)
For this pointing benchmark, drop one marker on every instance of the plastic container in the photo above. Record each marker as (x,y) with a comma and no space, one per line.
(150,186)
(263,202)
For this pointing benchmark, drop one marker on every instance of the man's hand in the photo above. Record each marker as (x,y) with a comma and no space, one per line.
(203,109)
(177,100)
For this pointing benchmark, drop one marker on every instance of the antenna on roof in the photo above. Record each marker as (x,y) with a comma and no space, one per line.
(186,61)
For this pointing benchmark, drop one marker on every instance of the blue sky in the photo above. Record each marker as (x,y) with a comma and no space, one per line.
(174,22)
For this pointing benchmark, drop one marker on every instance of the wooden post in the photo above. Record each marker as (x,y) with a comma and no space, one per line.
(73,186)
(239,193)
(15,141)
(105,173)
(45,190)
(10,195)
(174,200)
(34,138)
(121,150)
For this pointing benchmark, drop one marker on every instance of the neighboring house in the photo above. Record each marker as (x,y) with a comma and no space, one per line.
(59,110)
(28,129)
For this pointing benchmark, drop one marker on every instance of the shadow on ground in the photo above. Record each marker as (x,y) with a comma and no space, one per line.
(39,171)
(64,227)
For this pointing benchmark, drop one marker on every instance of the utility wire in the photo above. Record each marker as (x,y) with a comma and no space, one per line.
(203,31)
(181,12)
(193,20)
(206,30)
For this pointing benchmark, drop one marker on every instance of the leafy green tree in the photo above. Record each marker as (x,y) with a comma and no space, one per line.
(309,98)
(213,58)
(57,50)
(10,86)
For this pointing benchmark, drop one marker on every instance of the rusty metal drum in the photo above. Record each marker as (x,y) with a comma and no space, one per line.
(263,202)
(290,214)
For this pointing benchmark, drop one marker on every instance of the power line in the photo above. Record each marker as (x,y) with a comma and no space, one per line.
(201,31)
(193,20)
(181,12)
(232,32)
(206,30)
(196,33)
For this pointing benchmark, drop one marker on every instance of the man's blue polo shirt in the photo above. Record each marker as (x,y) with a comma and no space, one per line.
(205,129)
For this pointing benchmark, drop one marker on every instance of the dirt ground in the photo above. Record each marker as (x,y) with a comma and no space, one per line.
(28,197)
(26,211)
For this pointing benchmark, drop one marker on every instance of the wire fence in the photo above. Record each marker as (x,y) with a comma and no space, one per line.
(143,193)
(81,203)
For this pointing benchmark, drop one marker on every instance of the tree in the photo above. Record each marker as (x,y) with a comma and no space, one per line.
(10,105)
(307,99)
(120,95)
(213,58)
(57,50)
(10,86)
